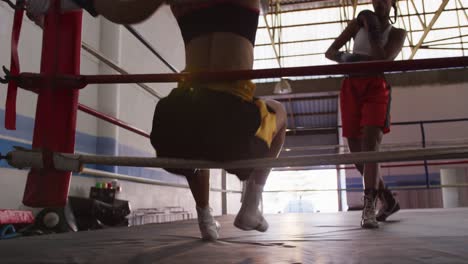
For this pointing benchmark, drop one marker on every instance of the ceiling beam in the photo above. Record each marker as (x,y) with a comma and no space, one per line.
(428,28)
(418,14)
(401,15)
(464,11)
(271,34)
(312,114)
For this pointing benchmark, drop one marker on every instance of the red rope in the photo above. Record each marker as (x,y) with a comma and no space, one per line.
(33,80)
(112,120)
(10,106)
(336,69)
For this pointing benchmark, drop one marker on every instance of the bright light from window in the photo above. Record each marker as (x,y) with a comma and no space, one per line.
(304,192)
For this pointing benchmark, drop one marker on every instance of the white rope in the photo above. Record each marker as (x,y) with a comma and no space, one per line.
(415,187)
(393,146)
(118,176)
(75,162)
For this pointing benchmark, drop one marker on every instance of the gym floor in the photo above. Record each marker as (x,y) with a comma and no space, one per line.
(411,236)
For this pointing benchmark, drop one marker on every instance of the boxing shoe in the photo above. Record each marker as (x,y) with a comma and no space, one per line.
(249,216)
(389,205)
(368,219)
(209,227)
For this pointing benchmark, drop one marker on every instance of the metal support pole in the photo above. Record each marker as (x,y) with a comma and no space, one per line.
(426,167)
(224,209)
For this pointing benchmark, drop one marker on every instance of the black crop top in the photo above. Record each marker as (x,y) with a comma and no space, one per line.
(219,16)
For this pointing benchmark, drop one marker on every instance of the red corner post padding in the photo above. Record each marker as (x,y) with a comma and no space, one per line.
(10,107)
(15,217)
(56,107)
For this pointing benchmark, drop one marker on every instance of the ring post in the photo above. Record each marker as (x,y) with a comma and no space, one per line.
(55,121)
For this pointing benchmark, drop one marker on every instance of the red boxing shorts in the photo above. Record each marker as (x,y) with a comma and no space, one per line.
(365,101)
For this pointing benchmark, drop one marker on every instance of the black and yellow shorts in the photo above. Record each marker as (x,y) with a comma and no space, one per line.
(203,124)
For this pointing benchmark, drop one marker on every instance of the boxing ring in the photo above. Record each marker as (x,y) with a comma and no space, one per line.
(414,236)
(435,235)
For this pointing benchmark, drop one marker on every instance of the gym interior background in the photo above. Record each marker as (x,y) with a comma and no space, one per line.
(294,33)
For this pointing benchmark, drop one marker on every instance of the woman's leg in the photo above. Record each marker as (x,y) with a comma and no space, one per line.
(370,141)
(249,216)
(355,145)
(200,188)
(261,175)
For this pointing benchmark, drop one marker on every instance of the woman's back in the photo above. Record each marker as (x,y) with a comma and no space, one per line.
(218,35)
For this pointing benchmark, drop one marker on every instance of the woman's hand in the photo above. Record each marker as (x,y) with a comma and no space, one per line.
(349,32)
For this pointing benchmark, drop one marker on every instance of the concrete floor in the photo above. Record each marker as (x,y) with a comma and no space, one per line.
(411,236)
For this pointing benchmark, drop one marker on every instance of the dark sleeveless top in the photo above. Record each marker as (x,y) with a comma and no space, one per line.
(216,16)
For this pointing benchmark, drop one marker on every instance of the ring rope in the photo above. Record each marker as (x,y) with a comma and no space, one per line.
(21,158)
(105,174)
(414,187)
(462,142)
(117,176)
(34,80)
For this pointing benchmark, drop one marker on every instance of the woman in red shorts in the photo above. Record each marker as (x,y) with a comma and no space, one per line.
(365,99)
